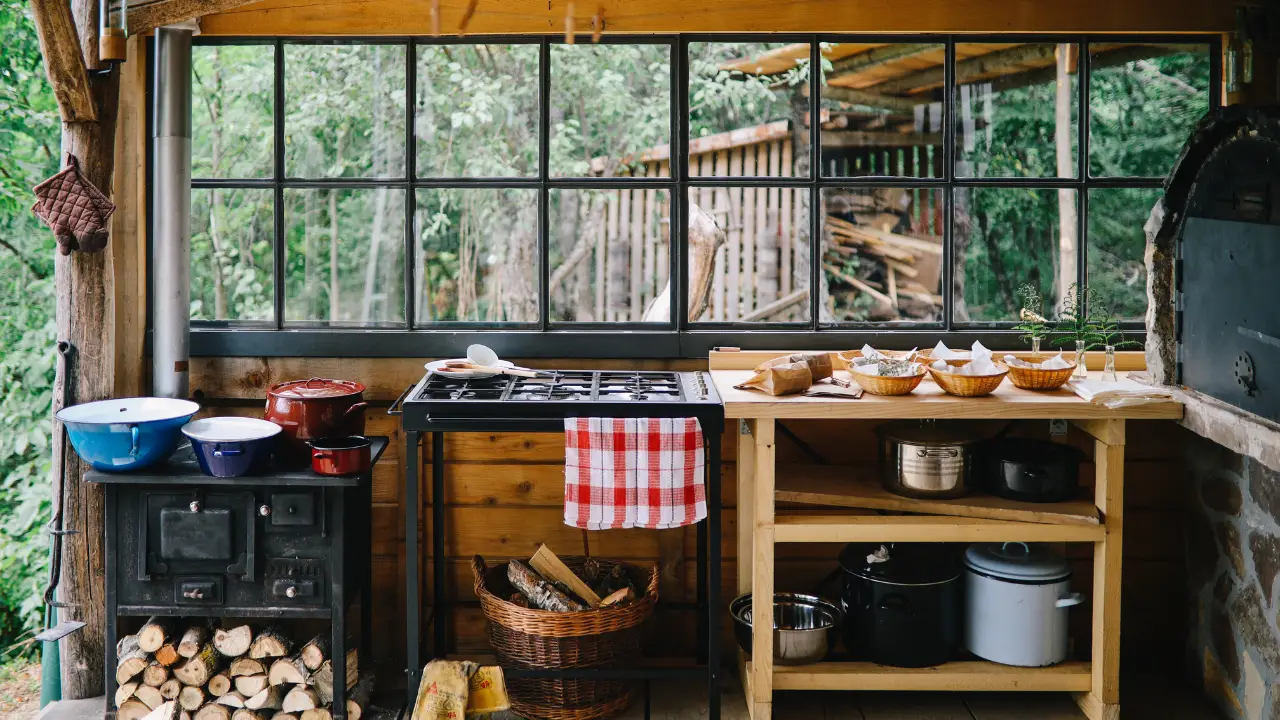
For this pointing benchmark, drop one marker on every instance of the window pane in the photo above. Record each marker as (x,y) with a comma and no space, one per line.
(231,259)
(609,255)
(232,111)
(476,255)
(344,256)
(1117,244)
(1004,237)
(882,254)
(1144,101)
(1017,109)
(882,110)
(477,110)
(746,101)
(610,109)
(344,111)
(760,268)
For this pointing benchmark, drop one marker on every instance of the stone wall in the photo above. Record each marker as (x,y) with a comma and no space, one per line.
(1233,560)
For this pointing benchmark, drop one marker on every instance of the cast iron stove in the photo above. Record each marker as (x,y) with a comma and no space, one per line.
(440,405)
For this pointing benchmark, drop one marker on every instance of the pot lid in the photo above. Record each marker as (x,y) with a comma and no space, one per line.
(929,432)
(230,429)
(901,563)
(1017,561)
(128,410)
(316,388)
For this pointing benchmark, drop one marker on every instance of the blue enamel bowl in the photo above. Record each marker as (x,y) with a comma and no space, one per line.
(129,433)
(228,447)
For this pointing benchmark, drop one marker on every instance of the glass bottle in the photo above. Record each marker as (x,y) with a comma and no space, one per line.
(1035,349)
(112,30)
(1109,371)
(1080,372)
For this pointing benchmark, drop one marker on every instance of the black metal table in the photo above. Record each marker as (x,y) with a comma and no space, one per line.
(415,424)
(264,547)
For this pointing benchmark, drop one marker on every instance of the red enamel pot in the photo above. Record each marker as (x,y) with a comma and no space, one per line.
(340,455)
(315,408)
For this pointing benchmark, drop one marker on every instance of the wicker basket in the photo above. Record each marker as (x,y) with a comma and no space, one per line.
(532,638)
(968,385)
(1039,378)
(882,384)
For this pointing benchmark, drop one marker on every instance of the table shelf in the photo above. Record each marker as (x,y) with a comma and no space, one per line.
(968,675)
(790,528)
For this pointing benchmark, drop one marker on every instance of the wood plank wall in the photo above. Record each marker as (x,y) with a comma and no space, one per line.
(505,493)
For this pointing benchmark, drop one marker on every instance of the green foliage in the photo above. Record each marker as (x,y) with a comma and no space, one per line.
(1033,326)
(29,140)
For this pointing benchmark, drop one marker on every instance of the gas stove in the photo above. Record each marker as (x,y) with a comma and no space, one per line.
(556,394)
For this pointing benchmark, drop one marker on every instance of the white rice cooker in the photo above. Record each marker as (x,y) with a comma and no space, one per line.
(1016,600)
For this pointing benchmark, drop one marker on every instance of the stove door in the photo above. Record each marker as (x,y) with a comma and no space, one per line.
(1230,347)
(196,532)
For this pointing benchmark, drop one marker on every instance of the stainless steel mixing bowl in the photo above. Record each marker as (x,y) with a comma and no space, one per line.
(804,626)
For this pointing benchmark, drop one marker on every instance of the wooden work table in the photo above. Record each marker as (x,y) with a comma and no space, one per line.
(761,525)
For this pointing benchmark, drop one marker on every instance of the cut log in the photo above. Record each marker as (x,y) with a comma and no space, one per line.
(541,593)
(149,696)
(132,709)
(232,699)
(234,642)
(155,675)
(165,711)
(155,633)
(284,716)
(191,698)
(124,692)
(250,685)
(167,654)
(192,640)
(270,643)
(132,660)
(199,667)
(315,652)
(219,685)
(322,679)
(317,714)
(619,597)
(549,565)
(271,698)
(288,671)
(170,689)
(300,698)
(359,699)
(213,711)
(247,666)
(253,715)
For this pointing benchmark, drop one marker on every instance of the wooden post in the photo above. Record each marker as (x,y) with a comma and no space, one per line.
(760,704)
(85,315)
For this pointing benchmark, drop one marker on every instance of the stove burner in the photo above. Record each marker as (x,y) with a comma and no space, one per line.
(572,386)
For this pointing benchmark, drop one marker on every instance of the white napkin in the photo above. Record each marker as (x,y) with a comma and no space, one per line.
(979,351)
(942,352)
(1057,362)
(1118,394)
(870,353)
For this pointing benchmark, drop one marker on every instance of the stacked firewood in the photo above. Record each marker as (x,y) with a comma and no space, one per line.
(546,583)
(229,673)
(897,273)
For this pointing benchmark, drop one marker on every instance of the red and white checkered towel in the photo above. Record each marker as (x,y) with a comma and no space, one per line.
(634,472)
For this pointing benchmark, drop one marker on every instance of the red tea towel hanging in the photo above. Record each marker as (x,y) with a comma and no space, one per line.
(634,472)
(76,211)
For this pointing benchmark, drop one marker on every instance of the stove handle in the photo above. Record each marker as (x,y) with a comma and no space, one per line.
(397,407)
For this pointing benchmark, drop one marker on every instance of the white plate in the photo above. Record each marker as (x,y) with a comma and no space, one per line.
(437,367)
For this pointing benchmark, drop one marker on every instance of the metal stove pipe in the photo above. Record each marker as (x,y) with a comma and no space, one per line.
(171,216)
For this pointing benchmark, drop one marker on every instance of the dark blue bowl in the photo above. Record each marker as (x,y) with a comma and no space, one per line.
(228,447)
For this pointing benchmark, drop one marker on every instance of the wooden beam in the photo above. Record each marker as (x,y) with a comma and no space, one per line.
(60,46)
(128,247)
(539,17)
(1008,61)
(869,138)
(875,99)
(145,18)
(877,56)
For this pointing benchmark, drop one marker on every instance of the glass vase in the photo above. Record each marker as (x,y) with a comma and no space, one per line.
(1035,349)
(1080,373)
(1109,370)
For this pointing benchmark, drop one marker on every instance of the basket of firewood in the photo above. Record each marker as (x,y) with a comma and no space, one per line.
(562,613)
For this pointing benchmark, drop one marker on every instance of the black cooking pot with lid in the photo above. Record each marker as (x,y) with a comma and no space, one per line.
(1029,470)
(902,602)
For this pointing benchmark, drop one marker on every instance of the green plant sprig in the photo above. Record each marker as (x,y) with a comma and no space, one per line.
(1033,326)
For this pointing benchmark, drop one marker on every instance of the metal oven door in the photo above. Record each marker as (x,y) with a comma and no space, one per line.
(197,532)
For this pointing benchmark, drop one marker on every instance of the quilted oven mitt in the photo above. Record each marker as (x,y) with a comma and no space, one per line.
(76,211)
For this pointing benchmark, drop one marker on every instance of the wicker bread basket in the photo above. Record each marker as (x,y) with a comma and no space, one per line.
(882,384)
(968,385)
(532,638)
(1040,378)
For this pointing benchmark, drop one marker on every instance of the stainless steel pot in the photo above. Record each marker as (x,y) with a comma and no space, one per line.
(804,627)
(925,459)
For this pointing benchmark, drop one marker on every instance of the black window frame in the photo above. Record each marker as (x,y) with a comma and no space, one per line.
(678,338)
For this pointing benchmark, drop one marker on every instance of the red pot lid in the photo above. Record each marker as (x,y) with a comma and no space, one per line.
(316,388)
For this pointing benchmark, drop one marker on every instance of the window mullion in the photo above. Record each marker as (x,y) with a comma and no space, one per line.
(678,228)
(816,212)
(544,163)
(948,175)
(278,247)
(411,195)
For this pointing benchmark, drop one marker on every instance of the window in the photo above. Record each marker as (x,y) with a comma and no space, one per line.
(548,196)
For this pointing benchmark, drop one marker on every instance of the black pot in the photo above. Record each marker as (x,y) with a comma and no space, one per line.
(1030,470)
(902,602)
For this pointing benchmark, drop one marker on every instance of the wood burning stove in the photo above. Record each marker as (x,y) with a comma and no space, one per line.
(286,544)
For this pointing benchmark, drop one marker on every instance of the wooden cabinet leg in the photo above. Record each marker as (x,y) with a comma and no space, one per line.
(1102,700)
(761,682)
(746,503)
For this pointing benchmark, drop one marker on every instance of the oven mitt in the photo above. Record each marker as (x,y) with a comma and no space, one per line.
(76,211)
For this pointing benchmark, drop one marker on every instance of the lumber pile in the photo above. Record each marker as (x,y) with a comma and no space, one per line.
(883,274)
(230,673)
(546,583)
